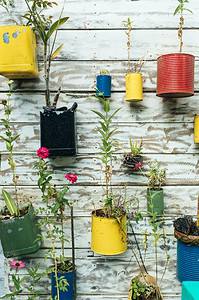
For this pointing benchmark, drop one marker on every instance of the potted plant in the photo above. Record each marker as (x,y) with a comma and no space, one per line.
(109,223)
(103,84)
(18,225)
(155,196)
(134,159)
(57,125)
(144,286)
(186,231)
(63,270)
(18,57)
(133,78)
(175,71)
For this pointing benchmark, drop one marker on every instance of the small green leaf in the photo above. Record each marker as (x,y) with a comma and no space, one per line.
(57,51)
(178,8)
(56,25)
(10,204)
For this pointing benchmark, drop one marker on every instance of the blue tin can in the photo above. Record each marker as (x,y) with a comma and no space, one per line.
(103,85)
(187,262)
(71,288)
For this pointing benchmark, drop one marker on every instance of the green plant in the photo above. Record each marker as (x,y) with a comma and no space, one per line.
(137,67)
(180,9)
(9,137)
(141,290)
(104,72)
(106,131)
(55,201)
(156,175)
(7,4)
(136,147)
(45,29)
(26,284)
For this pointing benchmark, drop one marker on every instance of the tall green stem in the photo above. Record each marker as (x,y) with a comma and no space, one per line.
(62,227)
(46,74)
(55,268)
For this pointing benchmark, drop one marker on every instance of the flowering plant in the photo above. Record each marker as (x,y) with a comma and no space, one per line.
(55,204)
(24,283)
(134,159)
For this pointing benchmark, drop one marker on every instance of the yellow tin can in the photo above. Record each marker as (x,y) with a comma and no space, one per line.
(196,129)
(109,236)
(18,52)
(134,87)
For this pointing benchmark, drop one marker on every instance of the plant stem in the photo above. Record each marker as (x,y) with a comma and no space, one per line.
(46,75)
(156,261)
(180,32)
(55,268)
(129,44)
(73,246)
(62,226)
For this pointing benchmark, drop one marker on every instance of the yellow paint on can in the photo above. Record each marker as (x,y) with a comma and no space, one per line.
(134,87)
(109,236)
(196,129)
(18,52)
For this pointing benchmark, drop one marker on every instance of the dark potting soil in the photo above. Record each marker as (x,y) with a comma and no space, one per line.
(187,226)
(5,215)
(66,266)
(101,213)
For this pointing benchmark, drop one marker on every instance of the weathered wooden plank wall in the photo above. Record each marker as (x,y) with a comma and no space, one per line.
(94,39)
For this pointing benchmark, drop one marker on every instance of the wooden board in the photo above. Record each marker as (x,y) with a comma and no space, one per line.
(94,39)
(110,14)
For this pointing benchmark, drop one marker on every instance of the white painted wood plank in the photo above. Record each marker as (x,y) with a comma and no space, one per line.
(111,13)
(178,199)
(157,138)
(111,45)
(182,169)
(26,108)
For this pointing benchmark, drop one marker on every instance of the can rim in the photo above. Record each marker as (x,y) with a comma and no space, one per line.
(177,54)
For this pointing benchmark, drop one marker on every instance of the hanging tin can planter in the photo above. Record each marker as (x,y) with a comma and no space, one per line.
(58,130)
(187,234)
(145,286)
(18,52)
(190,290)
(187,262)
(109,236)
(70,280)
(155,201)
(196,129)
(175,75)
(134,87)
(103,84)
(19,235)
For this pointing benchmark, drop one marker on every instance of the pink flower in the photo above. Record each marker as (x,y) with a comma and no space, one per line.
(17,264)
(72,178)
(138,166)
(43,152)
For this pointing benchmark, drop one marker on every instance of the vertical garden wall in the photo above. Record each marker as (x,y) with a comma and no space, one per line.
(94,39)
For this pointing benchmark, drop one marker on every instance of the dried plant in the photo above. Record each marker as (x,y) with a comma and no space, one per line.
(180,9)
(156,175)
(137,67)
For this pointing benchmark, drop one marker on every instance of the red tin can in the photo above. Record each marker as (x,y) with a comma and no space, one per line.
(175,75)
